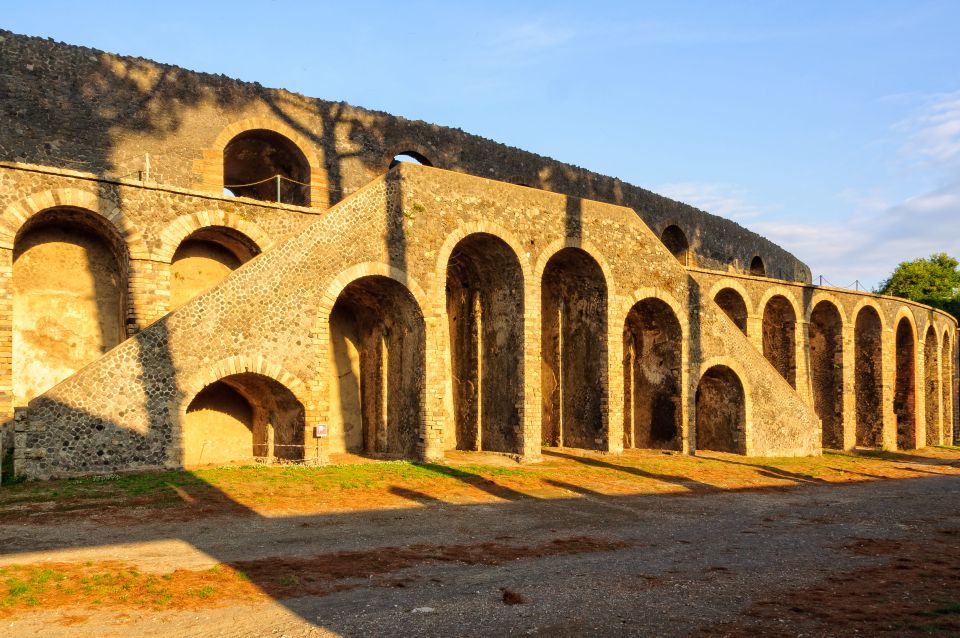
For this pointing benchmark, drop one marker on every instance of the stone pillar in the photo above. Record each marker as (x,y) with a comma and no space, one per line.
(849,387)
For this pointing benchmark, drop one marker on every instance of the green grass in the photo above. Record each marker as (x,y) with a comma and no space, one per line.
(950,609)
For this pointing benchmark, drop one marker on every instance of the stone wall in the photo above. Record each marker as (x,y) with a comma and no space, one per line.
(79,108)
(272,317)
(866,365)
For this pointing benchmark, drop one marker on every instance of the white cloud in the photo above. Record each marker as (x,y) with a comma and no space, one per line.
(933,133)
(530,37)
(720,199)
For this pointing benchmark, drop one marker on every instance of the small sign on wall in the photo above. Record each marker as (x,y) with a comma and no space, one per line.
(320,431)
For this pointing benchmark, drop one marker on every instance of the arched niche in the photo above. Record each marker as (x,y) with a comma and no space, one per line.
(826,371)
(204,259)
(574,350)
(904,393)
(652,360)
(485,313)
(721,411)
(411,157)
(69,297)
(243,418)
(779,337)
(676,242)
(757,268)
(868,377)
(931,377)
(733,305)
(377,368)
(253,161)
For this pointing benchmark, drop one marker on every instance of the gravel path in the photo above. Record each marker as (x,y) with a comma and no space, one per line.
(691,561)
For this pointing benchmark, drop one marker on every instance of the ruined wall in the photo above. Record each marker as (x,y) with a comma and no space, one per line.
(856,384)
(273,316)
(84,109)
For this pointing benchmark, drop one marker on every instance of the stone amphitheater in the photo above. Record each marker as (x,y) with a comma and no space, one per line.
(197,270)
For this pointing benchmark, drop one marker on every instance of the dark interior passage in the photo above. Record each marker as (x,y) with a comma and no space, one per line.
(734,306)
(826,371)
(485,313)
(904,394)
(253,159)
(377,324)
(243,418)
(574,347)
(779,337)
(868,378)
(676,242)
(652,346)
(757,268)
(721,411)
(931,374)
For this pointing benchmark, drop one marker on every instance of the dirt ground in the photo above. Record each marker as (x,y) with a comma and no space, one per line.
(644,543)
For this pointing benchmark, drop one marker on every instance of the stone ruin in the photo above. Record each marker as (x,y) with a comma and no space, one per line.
(197,270)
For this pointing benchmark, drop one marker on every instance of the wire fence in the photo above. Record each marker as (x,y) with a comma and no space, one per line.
(855,285)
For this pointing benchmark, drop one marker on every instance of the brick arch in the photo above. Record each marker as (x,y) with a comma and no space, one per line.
(869,301)
(906,312)
(640,294)
(17,214)
(738,369)
(367,269)
(829,298)
(239,364)
(784,292)
(209,168)
(733,284)
(401,148)
(595,253)
(464,230)
(182,227)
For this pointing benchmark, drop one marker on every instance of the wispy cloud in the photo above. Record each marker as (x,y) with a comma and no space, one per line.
(526,38)
(720,199)
(933,133)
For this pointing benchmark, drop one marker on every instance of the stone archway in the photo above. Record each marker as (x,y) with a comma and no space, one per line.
(868,377)
(779,337)
(205,258)
(931,377)
(733,305)
(826,371)
(904,395)
(721,411)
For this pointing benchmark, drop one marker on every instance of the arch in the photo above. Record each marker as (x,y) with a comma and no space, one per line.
(204,259)
(946,387)
(821,296)
(553,248)
(737,285)
(757,269)
(826,370)
(377,367)
(574,298)
(779,336)
(931,374)
(868,375)
(186,225)
(676,242)
(414,157)
(241,417)
(721,414)
(904,395)
(734,306)
(485,318)
(652,365)
(16,215)
(69,283)
(254,157)
(466,229)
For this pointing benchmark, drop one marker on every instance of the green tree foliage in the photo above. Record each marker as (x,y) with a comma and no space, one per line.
(934,281)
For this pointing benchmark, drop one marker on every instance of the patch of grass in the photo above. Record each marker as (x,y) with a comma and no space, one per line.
(953,608)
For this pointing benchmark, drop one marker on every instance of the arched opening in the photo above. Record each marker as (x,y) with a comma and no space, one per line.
(946,387)
(411,157)
(651,376)
(69,291)
(931,374)
(904,393)
(377,369)
(733,306)
(721,411)
(779,337)
(826,371)
(868,378)
(243,418)
(574,350)
(757,268)
(204,259)
(485,315)
(265,165)
(676,242)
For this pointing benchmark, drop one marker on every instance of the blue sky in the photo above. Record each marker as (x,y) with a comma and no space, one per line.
(833,128)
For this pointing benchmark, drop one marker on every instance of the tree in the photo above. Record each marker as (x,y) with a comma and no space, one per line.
(934,281)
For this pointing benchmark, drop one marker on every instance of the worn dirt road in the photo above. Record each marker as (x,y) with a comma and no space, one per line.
(667,565)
